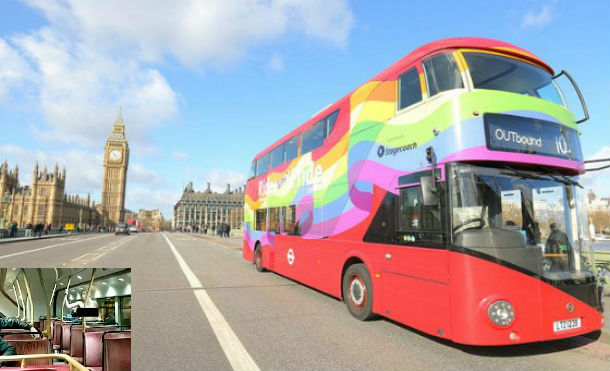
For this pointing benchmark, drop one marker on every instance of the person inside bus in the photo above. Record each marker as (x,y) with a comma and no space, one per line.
(559,246)
(90,303)
(7,349)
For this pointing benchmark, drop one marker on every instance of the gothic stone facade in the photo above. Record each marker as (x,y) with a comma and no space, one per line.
(45,201)
(209,208)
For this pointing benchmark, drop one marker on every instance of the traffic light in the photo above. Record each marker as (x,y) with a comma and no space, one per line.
(430,156)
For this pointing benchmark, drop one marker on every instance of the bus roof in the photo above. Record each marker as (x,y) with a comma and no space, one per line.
(418,54)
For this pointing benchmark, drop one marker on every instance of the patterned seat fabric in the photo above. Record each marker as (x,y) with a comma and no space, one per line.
(33,346)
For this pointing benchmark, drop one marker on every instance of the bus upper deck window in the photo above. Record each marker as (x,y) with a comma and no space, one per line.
(314,137)
(262,165)
(330,122)
(277,156)
(291,148)
(442,73)
(496,72)
(409,88)
(252,172)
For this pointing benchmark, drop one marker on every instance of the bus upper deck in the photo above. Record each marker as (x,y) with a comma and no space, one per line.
(66,318)
(463,155)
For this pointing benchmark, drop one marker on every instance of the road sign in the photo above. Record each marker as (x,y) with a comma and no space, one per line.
(69,226)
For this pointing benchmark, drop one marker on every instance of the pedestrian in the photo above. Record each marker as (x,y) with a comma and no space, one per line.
(38,230)
(13,230)
(28,230)
(228,230)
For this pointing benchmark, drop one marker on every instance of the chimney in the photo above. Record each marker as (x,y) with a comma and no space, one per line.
(209,188)
(228,188)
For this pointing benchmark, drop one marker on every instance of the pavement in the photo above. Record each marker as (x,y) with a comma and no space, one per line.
(197,305)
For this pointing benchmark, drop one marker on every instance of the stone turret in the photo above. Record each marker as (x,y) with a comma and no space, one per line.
(228,190)
(208,188)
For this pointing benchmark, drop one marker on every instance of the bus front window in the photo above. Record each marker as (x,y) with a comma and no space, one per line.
(496,72)
(528,219)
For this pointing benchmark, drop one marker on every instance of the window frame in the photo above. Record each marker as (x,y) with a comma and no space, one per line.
(422,92)
(443,229)
(466,85)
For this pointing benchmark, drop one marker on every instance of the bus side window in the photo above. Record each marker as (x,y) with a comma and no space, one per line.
(252,172)
(291,148)
(330,122)
(261,220)
(262,165)
(314,137)
(418,223)
(409,88)
(289,223)
(442,73)
(274,220)
(277,156)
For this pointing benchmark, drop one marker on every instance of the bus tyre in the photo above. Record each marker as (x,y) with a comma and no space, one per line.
(258,258)
(358,292)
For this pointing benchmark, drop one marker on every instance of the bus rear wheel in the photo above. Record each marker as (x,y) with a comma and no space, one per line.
(358,292)
(258,258)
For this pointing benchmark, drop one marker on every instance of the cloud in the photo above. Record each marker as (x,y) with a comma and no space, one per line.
(218,179)
(539,18)
(145,198)
(94,56)
(276,63)
(179,155)
(138,173)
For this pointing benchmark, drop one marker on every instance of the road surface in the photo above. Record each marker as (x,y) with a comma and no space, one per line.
(197,305)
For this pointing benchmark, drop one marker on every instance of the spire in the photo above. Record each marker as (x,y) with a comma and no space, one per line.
(119,119)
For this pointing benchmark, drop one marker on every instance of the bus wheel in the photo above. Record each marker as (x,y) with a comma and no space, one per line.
(358,292)
(258,258)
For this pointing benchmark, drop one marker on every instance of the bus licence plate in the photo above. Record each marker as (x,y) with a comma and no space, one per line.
(567,324)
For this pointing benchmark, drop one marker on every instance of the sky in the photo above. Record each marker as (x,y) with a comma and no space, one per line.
(206,85)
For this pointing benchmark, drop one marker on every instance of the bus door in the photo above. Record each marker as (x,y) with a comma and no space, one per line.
(415,267)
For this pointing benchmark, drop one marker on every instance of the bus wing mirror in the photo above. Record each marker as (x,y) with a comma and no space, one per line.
(585,111)
(429,191)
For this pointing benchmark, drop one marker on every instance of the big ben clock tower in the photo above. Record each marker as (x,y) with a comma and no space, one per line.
(116,160)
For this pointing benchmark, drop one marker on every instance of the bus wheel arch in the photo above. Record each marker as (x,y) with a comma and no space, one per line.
(357,289)
(257,257)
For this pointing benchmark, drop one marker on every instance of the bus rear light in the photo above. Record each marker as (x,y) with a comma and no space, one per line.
(501,313)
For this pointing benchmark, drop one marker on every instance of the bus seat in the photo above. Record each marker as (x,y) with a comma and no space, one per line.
(92,346)
(33,346)
(76,343)
(65,337)
(56,335)
(116,351)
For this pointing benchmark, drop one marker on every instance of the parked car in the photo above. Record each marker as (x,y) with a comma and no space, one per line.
(121,228)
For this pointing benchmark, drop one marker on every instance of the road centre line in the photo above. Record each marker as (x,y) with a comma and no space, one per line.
(236,353)
(48,247)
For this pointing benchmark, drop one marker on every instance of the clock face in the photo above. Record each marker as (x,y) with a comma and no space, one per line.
(115,155)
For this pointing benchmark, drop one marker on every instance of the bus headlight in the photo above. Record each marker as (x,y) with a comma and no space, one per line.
(501,313)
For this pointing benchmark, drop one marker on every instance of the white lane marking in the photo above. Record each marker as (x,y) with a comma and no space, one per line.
(82,256)
(48,247)
(234,350)
(97,257)
(122,242)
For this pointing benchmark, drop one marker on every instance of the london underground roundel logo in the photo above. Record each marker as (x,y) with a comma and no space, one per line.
(290,256)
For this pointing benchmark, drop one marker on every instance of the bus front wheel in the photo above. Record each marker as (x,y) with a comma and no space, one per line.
(358,292)
(258,258)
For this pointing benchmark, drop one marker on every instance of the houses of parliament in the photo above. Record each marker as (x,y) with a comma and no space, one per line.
(46,202)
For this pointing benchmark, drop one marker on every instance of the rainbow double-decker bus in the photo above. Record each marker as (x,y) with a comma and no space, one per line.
(443,194)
